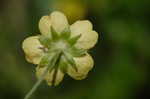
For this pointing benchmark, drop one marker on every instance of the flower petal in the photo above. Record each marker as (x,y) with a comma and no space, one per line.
(88,37)
(44,25)
(84,65)
(88,40)
(49,76)
(59,21)
(31,47)
(81,27)
(33,60)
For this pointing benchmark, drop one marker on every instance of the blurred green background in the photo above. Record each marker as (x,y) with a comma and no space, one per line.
(122,55)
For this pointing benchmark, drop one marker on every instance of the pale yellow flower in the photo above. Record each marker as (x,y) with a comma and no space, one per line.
(35,51)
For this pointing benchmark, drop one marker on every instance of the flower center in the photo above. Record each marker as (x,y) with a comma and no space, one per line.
(61,45)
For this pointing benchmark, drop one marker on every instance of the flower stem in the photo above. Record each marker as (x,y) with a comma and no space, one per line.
(53,63)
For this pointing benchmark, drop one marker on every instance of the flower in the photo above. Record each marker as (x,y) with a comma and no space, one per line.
(61,48)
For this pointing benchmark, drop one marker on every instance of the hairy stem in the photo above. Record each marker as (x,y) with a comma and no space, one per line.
(34,88)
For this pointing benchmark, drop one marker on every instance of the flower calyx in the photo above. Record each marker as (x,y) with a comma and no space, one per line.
(60,47)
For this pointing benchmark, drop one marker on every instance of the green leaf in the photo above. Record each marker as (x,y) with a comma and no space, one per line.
(70,60)
(66,33)
(55,35)
(73,40)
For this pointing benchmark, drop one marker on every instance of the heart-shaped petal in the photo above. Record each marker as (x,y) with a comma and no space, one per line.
(84,64)
(44,25)
(88,37)
(56,19)
(59,21)
(32,48)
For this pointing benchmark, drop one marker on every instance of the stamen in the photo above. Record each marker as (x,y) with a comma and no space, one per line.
(43,48)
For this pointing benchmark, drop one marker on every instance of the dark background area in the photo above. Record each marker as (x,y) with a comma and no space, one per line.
(122,55)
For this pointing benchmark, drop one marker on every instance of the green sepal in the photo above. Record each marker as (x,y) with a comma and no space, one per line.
(63,65)
(74,39)
(70,60)
(48,58)
(55,35)
(54,77)
(55,58)
(75,52)
(45,60)
(66,33)
(45,40)
(52,50)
